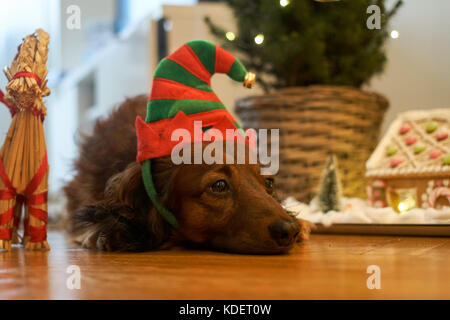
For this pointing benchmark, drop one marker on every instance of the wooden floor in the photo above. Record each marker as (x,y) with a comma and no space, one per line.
(326,267)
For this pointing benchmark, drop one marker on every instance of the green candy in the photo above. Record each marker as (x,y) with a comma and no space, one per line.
(419,149)
(446,160)
(391,151)
(431,127)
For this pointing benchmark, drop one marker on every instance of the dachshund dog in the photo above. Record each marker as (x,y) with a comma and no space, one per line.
(224,207)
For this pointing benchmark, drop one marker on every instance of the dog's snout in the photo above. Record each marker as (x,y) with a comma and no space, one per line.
(284,232)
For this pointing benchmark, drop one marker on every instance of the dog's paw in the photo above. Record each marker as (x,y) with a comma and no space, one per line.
(92,239)
(305,229)
(103,243)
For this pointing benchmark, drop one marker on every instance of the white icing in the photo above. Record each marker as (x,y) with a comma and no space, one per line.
(358,211)
(377,157)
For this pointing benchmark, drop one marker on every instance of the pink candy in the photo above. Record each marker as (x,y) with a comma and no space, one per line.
(404,129)
(411,140)
(442,135)
(396,161)
(435,154)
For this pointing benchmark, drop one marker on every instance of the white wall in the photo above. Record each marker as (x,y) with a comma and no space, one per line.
(75,42)
(417,74)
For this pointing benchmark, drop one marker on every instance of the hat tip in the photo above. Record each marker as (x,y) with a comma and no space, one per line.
(249,80)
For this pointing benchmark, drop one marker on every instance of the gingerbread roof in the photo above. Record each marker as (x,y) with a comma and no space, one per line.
(416,143)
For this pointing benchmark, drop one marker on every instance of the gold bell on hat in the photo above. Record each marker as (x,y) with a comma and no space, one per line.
(249,80)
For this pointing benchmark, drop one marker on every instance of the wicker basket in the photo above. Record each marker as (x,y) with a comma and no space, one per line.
(315,121)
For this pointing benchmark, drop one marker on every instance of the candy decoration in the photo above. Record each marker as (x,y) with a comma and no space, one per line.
(431,127)
(380,204)
(446,160)
(369,194)
(396,161)
(411,140)
(391,151)
(404,129)
(419,149)
(436,193)
(379,184)
(442,135)
(436,153)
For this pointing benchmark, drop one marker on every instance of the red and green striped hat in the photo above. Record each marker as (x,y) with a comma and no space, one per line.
(181,94)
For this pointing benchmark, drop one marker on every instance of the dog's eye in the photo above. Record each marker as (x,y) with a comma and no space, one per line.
(269,184)
(219,186)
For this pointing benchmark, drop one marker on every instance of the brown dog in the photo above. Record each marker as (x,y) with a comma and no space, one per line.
(222,207)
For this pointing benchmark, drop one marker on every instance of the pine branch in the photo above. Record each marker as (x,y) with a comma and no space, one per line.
(308,42)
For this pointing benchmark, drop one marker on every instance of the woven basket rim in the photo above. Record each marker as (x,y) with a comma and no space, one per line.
(284,92)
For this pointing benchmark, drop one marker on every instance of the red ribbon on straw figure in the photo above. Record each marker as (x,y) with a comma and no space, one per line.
(28,198)
(12,107)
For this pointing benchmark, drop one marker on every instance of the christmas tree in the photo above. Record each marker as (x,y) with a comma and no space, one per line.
(329,194)
(304,42)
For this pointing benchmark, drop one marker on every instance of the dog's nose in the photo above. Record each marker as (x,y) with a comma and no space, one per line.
(284,232)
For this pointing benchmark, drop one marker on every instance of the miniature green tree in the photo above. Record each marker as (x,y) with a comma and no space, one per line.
(329,193)
(308,42)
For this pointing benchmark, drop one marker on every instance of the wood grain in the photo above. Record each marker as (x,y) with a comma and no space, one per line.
(325,267)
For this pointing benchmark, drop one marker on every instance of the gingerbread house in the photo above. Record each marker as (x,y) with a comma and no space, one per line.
(410,168)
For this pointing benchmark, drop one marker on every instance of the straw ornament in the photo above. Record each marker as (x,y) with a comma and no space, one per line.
(23,156)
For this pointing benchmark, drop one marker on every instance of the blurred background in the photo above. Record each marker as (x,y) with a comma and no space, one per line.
(111,52)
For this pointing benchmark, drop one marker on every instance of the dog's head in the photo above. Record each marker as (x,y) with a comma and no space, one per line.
(227,207)
(231,208)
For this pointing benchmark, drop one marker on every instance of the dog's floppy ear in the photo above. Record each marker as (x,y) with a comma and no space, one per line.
(125,220)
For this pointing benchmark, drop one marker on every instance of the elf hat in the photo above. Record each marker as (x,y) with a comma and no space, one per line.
(181,94)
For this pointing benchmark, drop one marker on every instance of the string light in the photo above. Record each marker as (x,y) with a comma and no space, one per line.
(394,34)
(406,200)
(284,3)
(259,39)
(167,25)
(230,36)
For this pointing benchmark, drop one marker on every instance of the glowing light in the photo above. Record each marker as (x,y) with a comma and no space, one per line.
(401,207)
(167,25)
(259,39)
(403,199)
(284,3)
(394,34)
(230,36)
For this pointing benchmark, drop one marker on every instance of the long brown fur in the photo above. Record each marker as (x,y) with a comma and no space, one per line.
(110,210)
